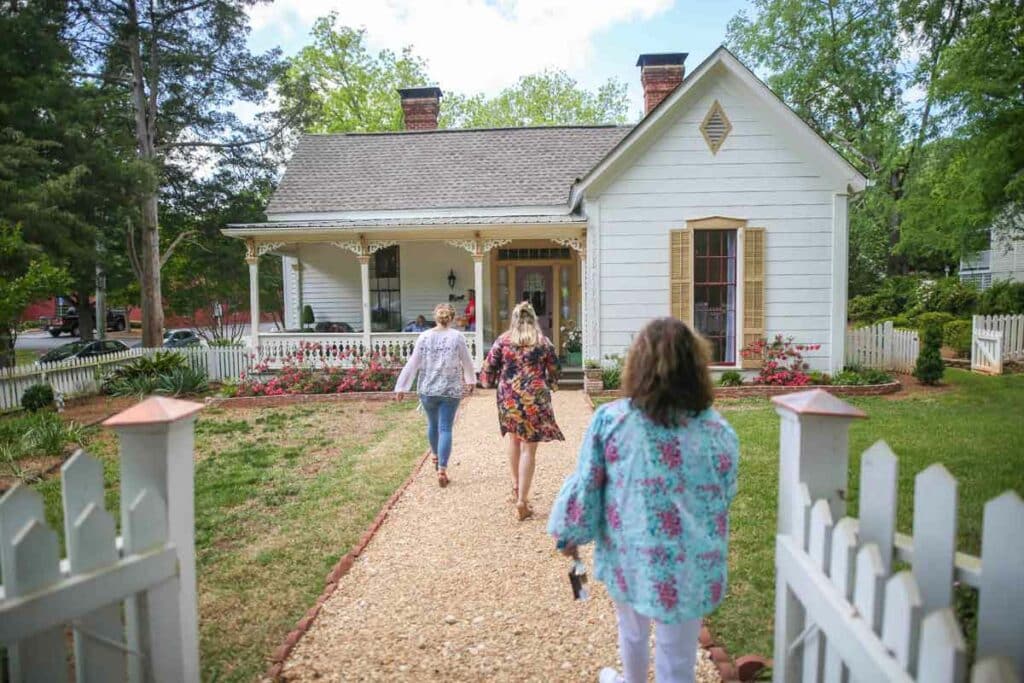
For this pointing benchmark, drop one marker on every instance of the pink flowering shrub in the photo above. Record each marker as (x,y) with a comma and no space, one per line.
(315,370)
(782,361)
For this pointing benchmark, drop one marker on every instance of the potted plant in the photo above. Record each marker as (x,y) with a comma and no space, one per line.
(308,319)
(592,376)
(572,343)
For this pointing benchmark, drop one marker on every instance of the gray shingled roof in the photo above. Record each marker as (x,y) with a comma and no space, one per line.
(440,169)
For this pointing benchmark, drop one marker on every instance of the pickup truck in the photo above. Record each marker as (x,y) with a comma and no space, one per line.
(116,320)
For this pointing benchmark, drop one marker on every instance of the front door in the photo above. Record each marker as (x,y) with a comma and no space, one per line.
(533,284)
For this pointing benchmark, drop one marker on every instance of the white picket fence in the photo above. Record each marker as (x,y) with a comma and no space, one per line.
(130,601)
(1010,329)
(82,377)
(883,347)
(842,612)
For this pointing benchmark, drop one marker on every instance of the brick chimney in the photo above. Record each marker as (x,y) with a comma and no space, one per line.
(660,74)
(420,107)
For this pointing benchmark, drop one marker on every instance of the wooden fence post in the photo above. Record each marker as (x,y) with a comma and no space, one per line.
(813,452)
(157,442)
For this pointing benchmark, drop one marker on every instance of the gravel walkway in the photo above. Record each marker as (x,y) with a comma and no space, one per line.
(453,588)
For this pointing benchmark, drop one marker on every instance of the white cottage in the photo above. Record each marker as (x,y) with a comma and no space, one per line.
(721,207)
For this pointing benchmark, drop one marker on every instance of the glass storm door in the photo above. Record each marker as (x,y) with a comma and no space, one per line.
(714,291)
(533,284)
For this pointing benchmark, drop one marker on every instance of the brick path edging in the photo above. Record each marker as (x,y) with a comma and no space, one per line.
(767,391)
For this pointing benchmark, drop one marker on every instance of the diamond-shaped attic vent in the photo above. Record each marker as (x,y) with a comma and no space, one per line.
(715,127)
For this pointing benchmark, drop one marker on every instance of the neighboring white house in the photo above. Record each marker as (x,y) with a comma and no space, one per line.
(1003,260)
(721,207)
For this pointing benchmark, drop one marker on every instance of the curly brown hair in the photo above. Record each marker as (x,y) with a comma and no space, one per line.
(666,373)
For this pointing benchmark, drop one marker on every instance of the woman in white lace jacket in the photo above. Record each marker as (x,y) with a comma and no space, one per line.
(444,368)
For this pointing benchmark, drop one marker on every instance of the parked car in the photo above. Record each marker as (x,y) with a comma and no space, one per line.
(83,349)
(176,339)
(116,320)
(333,327)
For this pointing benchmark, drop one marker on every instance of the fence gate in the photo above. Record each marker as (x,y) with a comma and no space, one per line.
(843,612)
(987,352)
(130,602)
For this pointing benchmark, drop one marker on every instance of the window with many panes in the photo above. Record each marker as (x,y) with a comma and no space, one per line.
(714,291)
(385,290)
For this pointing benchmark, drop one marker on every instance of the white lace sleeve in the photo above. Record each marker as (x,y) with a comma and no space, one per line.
(412,366)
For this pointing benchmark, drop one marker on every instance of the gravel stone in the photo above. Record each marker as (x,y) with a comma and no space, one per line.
(461,547)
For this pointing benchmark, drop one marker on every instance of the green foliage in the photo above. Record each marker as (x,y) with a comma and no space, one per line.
(37,434)
(893,297)
(947,295)
(819,378)
(165,372)
(930,368)
(956,334)
(307,316)
(591,364)
(937,320)
(1002,298)
(730,378)
(548,98)
(37,397)
(611,372)
(854,375)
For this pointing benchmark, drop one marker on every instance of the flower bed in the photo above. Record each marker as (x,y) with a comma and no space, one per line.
(348,374)
(767,391)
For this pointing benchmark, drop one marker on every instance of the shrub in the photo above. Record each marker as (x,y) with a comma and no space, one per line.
(224,342)
(937,320)
(159,363)
(611,373)
(956,334)
(182,382)
(819,378)
(360,373)
(38,434)
(893,297)
(1002,298)
(307,316)
(930,368)
(164,372)
(854,375)
(37,397)
(782,361)
(730,378)
(591,364)
(946,295)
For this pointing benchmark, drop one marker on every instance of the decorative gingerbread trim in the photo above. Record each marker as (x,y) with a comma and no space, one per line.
(355,246)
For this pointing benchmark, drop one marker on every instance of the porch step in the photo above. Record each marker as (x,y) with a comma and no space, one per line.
(571,379)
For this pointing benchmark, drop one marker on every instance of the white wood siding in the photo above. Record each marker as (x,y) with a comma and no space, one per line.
(330,281)
(1007,258)
(330,284)
(759,175)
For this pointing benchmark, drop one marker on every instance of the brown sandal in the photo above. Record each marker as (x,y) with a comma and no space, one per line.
(442,479)
(524,511)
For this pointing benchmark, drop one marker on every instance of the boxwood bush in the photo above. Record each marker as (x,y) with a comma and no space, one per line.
(37,397)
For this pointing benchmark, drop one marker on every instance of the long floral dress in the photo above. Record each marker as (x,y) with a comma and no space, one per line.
(524,377)
(656,502)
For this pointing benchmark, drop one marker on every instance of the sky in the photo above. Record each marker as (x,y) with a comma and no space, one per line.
(485,45)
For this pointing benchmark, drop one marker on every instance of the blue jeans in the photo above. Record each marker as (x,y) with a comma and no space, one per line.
(440,412)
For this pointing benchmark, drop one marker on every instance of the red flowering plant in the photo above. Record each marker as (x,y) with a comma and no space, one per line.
(310,370)
(782,361)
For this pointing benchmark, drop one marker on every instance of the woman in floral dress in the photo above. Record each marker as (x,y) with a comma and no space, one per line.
(652,488)
(524,367)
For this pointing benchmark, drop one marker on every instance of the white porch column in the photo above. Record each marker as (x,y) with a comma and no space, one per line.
(253,259)
(478,289)
(364,274)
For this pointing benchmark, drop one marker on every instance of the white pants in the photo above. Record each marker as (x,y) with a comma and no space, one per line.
(675,647)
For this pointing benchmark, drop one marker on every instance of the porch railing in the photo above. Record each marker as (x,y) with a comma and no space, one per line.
(340,348)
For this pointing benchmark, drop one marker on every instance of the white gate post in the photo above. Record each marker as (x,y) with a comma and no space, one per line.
(813,450)
(157,443)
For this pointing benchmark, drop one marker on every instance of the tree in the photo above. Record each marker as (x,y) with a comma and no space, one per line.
(180,64)
(25,276)
(842,65)
(337,85)
(544,99)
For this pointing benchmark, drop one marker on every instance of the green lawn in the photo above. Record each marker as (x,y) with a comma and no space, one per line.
(281,494)
(976,430)
(25,356)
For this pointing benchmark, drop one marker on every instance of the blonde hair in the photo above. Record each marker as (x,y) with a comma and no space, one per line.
(523,329)
(444,314)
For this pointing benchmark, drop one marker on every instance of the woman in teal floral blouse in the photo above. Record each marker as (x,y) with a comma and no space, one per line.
(652,488)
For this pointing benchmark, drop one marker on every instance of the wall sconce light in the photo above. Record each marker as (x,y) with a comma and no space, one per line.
(451,279)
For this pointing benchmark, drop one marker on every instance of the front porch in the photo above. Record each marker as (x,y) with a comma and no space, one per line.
(366,288)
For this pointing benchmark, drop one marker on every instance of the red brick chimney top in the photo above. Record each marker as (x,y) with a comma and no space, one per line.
(420,107)
(660,74)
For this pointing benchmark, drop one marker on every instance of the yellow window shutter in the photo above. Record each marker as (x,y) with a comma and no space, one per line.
(681,275)
(753,290)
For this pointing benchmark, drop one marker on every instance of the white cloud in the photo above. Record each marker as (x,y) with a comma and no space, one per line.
(471,45)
